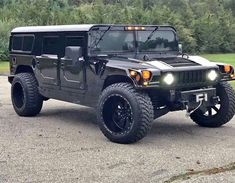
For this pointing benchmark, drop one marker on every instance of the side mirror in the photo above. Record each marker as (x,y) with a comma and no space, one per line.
(73,52)
(180,46)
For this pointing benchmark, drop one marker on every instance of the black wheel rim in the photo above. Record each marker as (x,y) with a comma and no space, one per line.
(18,95)
(117,114)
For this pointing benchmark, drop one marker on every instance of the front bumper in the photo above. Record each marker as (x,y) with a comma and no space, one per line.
(192,98)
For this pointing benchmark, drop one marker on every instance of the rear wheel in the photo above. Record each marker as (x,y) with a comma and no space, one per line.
(25,97)
(220,114)
(124,114)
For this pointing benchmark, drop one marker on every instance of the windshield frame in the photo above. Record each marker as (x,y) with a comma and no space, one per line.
(136,46)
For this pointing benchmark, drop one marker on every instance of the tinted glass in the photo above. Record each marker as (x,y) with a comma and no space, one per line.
(157,41)
(51,45)
(74,41)
(116,41)
(17,42)
(28,43)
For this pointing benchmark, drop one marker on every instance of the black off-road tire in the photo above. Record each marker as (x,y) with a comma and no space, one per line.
(25,96)
(226,111)
(142,113)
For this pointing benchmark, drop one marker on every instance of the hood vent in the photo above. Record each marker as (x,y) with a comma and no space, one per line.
(179,62)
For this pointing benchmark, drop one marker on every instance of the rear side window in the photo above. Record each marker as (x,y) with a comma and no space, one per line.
(17,43)
(50,45)
(28,43)
(22,43)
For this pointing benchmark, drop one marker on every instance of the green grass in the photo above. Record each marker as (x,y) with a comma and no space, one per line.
(4,67)
(224,58)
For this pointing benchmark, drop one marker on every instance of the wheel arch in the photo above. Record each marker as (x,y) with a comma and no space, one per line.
(116,79)
(21,69)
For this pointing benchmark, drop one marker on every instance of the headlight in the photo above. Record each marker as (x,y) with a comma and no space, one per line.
(212,75)
(168,79)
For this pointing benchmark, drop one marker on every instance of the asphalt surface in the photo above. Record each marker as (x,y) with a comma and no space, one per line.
(64,144)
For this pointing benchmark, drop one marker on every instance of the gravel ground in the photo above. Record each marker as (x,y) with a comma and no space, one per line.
(64,144)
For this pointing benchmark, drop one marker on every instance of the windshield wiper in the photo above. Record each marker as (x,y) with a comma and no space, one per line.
(101,37)
(151,35)
(110,55)
(114,55)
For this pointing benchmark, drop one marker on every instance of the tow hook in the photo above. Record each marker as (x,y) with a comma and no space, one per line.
(189,112)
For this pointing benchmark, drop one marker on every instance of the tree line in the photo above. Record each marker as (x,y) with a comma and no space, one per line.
(204,26)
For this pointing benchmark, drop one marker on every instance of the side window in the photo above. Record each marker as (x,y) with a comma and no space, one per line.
(28,43)
(74,41)
(17,43)
(50,45)
(22,43)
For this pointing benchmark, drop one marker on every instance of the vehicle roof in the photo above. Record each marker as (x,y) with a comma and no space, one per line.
(67,28)
(53,28)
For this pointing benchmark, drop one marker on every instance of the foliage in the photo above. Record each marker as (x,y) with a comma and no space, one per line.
(202,25)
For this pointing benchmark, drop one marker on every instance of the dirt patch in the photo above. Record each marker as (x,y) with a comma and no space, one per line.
(212,171)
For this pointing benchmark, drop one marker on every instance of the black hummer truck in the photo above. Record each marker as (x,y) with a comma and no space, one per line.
(130,74)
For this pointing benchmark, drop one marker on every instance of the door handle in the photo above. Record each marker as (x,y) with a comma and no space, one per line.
(62,65)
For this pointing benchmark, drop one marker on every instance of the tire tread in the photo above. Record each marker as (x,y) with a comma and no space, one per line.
(34,100)
(145,108)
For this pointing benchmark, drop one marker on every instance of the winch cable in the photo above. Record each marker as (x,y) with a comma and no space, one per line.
(188,113)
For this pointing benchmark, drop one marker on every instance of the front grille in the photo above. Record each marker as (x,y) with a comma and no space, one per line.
(191,78)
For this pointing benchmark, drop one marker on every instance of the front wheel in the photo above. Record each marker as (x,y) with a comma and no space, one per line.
(220,114)
(124,114)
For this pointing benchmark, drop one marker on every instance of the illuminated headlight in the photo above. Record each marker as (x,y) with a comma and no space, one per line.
(169,79)
(212,75)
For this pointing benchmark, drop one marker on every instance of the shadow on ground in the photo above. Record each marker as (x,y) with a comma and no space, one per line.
(168,125)
(75,115)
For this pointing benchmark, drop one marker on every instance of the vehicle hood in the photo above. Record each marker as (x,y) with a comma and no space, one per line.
(163,64)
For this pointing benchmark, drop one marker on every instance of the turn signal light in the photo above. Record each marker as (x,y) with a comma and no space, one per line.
(135,75)
(146,75)
(227,68)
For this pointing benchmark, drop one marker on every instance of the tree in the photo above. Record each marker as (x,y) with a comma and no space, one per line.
(202,25)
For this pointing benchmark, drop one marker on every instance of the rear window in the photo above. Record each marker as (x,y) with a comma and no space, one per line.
(22,43)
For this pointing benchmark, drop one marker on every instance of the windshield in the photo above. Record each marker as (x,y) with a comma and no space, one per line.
(116,41)
(119,41)
(159,41)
